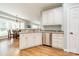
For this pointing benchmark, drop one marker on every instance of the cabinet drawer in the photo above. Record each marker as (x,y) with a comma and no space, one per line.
(54,41)
(54,45)
(59,35)
(61,41)
(58,45)
(57,39)
(61,46)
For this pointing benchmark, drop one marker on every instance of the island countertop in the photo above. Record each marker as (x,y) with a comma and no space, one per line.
(41,31)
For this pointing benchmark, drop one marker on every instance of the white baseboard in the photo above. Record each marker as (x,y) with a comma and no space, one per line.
(70,50)
(66,50)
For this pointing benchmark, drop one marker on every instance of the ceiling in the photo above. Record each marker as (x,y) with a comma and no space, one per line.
(28,11)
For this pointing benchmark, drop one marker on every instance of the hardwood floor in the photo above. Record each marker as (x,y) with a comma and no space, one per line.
(15,43)
(44,51)
(10,48)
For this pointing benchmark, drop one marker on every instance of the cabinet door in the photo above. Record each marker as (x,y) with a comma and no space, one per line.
(55,16)
(51,17)
(58,40)
(31,39)
(58,16)
(38,39)
(24,41)
(44,18)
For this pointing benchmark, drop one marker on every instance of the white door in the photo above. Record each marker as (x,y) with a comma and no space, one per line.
(73,29)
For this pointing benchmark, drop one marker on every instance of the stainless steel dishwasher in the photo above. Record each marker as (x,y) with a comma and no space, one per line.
(47,39)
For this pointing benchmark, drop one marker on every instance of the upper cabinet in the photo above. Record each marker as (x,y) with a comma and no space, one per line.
(44,17)
(58,16)
(52,16)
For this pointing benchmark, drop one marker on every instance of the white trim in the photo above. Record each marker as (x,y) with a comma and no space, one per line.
(66,50)
(71,50)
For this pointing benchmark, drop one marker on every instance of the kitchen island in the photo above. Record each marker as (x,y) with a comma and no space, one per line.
(30,38)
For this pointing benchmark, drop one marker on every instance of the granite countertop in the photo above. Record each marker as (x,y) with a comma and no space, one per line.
(28,32)
(56,32)
(53,31)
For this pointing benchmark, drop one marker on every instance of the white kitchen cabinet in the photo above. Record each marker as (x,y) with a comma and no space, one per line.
(58,16)
(38,39)
(53,16)
(45,18)
(58,40)
(28,40)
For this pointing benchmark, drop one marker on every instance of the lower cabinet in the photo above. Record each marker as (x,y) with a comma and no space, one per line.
(58,40)
(30,39)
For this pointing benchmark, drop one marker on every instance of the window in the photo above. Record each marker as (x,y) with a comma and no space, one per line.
(5,25)
(34,26)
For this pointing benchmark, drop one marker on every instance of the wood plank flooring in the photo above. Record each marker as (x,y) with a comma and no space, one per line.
(44,51)
(10,48)
(15,43)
